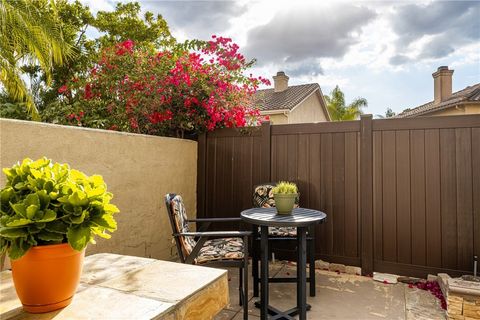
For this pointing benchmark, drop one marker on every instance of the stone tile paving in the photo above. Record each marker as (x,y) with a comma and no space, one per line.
(341,296)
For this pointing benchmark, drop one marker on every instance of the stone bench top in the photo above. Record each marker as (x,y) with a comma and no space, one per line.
(124,287)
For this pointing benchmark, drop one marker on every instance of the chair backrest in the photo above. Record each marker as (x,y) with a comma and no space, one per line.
(179,222)
(263,196)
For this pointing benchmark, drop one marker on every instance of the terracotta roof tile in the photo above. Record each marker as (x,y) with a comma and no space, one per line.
(267,99)
(469,94)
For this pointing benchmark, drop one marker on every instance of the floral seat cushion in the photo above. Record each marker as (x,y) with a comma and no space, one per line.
(263,198)
(221,249)
(181,223)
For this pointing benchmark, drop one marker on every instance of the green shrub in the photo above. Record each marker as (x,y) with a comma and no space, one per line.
(46,203)
(285,187)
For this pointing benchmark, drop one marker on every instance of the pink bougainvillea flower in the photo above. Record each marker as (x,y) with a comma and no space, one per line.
(63,89)
(88,92)
(171,91)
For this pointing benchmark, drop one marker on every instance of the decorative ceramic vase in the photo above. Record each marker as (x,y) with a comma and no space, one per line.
(284,202)
(46,277)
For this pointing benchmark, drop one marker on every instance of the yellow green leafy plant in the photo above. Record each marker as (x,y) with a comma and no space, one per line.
(46,203)
(285,187)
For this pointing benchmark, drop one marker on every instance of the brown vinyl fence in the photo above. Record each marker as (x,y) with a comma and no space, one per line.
(401,195)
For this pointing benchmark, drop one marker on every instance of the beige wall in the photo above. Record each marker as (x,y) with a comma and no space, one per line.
(138,169)
(462,110)
(278,118)
(310,110)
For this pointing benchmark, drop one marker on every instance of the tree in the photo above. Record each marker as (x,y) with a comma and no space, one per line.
(389,113)
(124,23)
(28,35)
(339,111)
(194,87)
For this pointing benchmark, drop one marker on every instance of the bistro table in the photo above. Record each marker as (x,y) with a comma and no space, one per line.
(123,287)
(300,218)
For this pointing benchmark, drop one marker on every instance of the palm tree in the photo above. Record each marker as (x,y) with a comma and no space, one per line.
(27,37)
(341,112)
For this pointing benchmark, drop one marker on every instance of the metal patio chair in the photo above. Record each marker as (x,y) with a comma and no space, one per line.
(210,248)
(263,197)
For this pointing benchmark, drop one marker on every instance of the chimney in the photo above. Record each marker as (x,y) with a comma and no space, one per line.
(280,82)
(442,82)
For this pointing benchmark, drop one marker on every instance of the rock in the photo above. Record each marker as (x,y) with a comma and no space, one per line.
(443,282)
(353,270)
(385,277)
(432,277)
(409,280)
(337,267)
(323,265)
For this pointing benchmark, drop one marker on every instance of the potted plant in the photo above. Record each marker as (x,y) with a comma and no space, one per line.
(48,215)
(285,194)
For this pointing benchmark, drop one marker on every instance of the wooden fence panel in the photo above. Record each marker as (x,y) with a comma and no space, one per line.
(401,195)
(324,164)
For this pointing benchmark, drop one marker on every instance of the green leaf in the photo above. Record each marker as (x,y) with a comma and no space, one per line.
(111,208)
(18,248)
(13,232)
(6,194)
(48,186)
(106,221)
(19,185)
(78,219)
(57,226)
(79,237)
(35,228)
(35,173)
(19,209)
(19,222)
(49,215)
(50,236)
(44,199)
(78,198)
(101,232)
(95,192)
(32,199)
(31,210)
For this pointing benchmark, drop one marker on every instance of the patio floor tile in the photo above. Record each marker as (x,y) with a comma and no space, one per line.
(341,296)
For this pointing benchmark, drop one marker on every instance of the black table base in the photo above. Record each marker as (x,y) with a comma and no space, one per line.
(277,314)
(300,218)
(302,306)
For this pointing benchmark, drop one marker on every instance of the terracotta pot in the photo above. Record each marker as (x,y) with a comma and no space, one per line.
(285,202)
(46,277)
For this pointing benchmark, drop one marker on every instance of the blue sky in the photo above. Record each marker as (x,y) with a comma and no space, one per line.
(384,51)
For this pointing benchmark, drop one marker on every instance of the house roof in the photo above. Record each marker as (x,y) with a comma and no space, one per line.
(268,100)
(470,94)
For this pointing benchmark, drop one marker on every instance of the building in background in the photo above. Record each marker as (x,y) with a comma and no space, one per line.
(286,104)
(446,103)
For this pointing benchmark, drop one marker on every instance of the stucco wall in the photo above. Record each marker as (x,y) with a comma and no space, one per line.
(462,110)
(310,110)
(278,118)
(138,169)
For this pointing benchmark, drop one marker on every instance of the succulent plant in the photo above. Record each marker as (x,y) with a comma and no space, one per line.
(285,187)
(46,203)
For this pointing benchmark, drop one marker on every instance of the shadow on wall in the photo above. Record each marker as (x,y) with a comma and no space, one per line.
(138,169)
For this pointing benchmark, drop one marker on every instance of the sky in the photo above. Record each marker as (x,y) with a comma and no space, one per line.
(384,51)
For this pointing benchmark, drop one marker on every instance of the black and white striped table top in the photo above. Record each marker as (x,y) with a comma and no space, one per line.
(300,217)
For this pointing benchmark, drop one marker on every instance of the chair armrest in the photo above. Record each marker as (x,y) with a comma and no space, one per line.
(215,234)
(214,220)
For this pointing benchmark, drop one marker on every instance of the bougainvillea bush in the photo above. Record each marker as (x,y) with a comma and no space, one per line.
(194,87)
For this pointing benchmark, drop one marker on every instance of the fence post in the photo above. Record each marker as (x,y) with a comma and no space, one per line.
(366,193)
(201,174)
(266,151)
